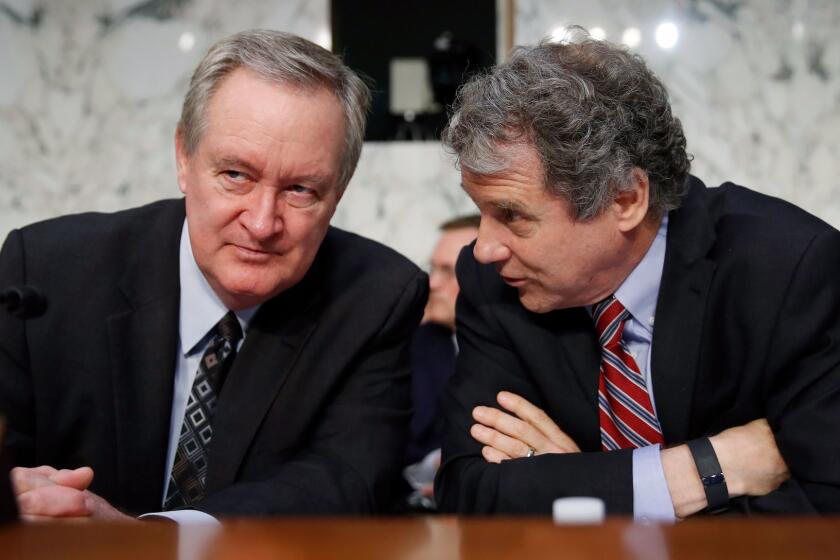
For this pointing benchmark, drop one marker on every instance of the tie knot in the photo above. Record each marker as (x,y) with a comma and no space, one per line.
(229,329)
(609,316)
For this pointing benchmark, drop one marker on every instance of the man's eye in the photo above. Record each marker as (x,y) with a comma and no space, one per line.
(234,175)
(300,196)
(509,215)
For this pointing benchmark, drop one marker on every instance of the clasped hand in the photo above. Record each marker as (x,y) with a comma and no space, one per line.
(515,433)
(45,493)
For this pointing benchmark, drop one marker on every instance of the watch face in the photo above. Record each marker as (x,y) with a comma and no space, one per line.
(713,479)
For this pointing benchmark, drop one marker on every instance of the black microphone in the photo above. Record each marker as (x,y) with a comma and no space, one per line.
(24,302)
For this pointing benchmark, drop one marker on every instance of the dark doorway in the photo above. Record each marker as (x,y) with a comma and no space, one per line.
(417,52)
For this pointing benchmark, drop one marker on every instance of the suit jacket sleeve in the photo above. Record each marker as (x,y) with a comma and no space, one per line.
(487,363)
(15,384)
(351,462)
(803,392)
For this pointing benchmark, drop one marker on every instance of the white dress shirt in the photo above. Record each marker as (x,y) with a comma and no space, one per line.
(638,294)
(199,312)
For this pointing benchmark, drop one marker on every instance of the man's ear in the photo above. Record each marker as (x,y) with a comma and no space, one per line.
(340,193)
(181,159)
(630,206)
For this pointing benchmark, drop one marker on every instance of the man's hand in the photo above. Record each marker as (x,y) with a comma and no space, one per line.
(750,460)
(748,456)
(26,479)
(45,493)
(506,436)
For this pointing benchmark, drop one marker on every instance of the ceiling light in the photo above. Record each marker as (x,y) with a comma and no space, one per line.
(186,41)
(667,35)
(631,37)
(598,33)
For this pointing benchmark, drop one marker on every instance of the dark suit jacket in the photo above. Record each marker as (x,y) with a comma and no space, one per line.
(432,364)
(747,326)
(313,415)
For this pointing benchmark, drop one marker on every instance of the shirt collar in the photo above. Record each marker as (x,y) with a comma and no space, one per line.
(639,291)
(200,308)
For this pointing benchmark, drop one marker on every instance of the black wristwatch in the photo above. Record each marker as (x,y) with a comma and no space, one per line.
(711,475)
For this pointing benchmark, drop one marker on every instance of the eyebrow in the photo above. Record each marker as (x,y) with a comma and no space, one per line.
(227,161)
(508,205)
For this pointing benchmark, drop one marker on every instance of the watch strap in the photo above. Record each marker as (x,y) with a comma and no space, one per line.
(711,475)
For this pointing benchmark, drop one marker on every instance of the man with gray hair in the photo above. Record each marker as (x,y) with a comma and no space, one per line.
(626,332)
(223,353)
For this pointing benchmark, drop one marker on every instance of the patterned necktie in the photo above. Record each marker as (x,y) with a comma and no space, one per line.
(626,414)
(189,470)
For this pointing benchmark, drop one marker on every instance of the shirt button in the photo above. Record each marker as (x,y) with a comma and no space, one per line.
(650,321)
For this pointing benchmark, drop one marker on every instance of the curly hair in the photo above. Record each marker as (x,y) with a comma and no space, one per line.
(592,111)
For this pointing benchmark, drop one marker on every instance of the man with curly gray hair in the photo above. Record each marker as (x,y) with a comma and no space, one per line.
(627,333)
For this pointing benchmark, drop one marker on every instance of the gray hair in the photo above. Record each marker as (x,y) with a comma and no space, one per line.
(282,58)
(591,110)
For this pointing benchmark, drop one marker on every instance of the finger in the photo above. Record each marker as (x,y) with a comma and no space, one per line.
(79,478)
(759,423)
(25,479)
(497,440)
(55,501)
(512,427)
(537,417)
(492,455)
(45,470)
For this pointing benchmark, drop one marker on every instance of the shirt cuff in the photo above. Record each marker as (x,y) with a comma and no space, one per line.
(651,498)
(185,517)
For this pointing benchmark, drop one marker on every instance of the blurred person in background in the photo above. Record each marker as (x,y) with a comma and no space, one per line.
(433,351)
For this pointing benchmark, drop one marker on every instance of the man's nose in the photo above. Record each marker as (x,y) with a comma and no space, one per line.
(488,249)
(262,217)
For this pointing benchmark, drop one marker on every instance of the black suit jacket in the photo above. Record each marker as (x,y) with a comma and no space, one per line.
(747,326)
(313,415)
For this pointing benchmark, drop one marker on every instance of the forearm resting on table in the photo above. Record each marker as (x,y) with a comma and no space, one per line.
(748,456)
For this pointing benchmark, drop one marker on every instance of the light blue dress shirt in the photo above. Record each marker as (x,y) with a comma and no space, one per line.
(199,312)
(638,294)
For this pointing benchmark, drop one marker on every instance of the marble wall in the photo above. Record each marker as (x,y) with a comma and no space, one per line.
(90,91)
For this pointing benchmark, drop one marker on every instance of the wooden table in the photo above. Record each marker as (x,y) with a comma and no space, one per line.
(428,537)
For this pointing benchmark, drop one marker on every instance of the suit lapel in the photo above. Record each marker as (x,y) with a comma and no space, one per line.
(273,343)
(577,345)
(143,341)
(680,313)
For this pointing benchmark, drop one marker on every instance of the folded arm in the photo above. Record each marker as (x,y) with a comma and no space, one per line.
(748,455)
(467,481)
(485,465)
(803,390)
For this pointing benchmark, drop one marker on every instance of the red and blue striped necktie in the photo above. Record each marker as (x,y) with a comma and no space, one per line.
(626,414)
